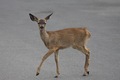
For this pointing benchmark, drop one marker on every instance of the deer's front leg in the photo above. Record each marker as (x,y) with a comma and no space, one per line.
(43,59)
(57,65)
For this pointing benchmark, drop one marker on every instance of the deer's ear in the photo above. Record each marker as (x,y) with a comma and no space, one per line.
(33,18)
(48,17)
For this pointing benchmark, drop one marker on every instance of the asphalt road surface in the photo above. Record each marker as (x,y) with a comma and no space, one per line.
(21,48)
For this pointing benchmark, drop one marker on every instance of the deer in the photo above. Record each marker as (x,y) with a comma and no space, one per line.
(61,39)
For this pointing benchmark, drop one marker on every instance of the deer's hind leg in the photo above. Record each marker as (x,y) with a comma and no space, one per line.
(86,51)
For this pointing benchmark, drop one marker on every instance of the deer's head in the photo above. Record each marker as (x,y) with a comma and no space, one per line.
(41,22)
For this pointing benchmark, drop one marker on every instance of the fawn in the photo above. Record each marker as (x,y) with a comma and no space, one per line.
(61,39)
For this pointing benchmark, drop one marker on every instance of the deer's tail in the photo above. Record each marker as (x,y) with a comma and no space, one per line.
(88,34)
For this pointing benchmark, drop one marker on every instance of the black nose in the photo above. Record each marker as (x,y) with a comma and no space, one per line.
(41,27)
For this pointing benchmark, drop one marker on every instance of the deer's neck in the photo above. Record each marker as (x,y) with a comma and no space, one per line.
(44,36)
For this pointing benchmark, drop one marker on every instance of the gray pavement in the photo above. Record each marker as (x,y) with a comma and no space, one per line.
(21,48)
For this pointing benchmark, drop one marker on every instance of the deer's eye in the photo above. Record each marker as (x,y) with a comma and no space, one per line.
(41,23)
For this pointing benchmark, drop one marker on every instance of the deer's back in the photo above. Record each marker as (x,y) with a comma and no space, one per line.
(67,37)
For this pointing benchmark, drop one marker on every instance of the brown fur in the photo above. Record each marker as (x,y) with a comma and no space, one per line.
(68,37)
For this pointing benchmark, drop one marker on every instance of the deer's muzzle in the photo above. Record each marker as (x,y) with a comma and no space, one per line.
(41,27)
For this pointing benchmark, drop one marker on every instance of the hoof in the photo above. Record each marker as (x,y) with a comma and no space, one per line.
(37,74)
(88,72)
(56,77)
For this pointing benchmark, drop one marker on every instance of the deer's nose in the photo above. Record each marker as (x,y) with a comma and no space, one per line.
(41,27)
